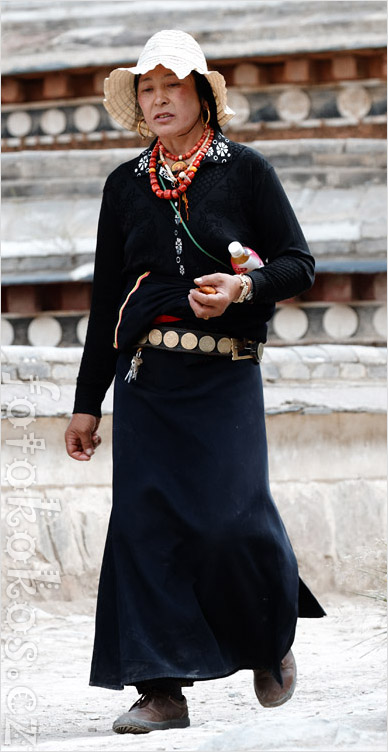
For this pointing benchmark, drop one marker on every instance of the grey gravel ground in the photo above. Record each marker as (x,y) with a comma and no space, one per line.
(339,703)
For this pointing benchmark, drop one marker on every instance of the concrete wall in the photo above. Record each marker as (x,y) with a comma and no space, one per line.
(326,430)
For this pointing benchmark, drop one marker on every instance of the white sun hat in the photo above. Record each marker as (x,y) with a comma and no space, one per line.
(178,52)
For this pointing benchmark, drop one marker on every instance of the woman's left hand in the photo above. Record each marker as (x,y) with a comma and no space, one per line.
(227,286)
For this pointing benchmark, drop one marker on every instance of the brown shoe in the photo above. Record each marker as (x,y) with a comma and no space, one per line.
(153,711)
(268,691)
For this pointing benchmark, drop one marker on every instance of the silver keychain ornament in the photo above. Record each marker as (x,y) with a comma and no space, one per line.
(135,365)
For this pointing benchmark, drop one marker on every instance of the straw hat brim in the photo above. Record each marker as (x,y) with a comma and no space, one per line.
(120,97)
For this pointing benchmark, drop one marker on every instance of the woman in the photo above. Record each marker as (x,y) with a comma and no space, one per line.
(198,578)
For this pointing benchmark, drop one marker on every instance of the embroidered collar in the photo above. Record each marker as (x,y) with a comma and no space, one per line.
(219,152)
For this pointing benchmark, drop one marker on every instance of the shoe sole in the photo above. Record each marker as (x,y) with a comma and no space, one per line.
(147,727)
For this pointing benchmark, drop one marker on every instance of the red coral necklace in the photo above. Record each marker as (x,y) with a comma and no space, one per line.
(186,173)
(184,157)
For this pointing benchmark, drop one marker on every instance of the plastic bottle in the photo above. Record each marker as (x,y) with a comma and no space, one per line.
(243,259)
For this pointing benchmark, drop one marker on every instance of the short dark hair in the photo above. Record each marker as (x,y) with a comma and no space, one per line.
(204,91)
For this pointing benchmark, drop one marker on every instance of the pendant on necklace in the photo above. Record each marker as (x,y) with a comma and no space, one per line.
(186,203)
(178,166)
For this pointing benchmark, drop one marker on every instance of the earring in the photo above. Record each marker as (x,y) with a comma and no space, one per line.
(205,122)
(139,129)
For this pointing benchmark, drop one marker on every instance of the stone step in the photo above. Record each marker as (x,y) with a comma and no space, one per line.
(308,163)
(307,379)
(314,153)
(51,203)
(301,177)
(66,35)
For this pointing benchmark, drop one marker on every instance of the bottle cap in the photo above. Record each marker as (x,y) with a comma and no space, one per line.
(236,249)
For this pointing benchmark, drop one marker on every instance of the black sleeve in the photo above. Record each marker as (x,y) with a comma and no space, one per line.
(289,265)
(98,362)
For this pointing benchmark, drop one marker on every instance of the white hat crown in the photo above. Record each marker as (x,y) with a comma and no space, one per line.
(175,50)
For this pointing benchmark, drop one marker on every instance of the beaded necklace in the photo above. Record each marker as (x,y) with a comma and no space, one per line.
(186,174)
(180,159)
(184,177)
(179,170)
(182,169)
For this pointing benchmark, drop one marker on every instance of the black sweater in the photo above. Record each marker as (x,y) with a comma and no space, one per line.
(236,195)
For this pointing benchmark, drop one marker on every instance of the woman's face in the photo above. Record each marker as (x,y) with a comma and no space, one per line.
(170,105)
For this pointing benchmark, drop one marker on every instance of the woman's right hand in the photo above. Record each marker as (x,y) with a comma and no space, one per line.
(81,436)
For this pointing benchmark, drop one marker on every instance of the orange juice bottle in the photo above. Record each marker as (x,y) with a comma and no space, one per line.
(243,259)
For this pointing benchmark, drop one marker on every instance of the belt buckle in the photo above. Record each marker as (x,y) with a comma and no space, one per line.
(237,345)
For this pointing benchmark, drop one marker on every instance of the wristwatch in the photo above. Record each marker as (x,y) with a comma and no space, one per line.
(250,293)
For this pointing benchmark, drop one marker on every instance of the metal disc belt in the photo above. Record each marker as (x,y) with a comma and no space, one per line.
(202,343)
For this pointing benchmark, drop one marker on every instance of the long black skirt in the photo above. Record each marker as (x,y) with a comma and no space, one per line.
(198,578)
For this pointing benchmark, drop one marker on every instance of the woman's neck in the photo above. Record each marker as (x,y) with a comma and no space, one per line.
(182,143)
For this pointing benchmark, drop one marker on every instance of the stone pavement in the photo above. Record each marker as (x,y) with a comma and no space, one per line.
(339,703)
